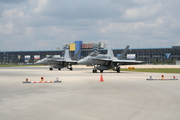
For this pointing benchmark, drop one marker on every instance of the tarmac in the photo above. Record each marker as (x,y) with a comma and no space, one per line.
(81,95)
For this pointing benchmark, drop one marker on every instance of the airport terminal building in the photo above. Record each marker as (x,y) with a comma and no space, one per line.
(149,55)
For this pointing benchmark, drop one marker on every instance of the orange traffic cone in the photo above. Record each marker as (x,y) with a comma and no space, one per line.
(101,78)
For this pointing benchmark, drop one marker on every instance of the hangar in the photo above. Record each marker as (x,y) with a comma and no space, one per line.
(149,55)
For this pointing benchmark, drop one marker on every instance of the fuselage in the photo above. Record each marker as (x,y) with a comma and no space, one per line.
(47,61)
(96,60)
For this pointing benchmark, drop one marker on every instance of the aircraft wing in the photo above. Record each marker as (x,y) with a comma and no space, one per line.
(128,62)
(58,60)
(61,60)
(71,61)
(103,59)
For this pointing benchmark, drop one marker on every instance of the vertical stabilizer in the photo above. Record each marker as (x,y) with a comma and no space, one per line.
(66,55)
(110,52)
(122,56)
(75,57)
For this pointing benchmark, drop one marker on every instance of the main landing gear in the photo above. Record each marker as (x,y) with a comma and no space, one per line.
(95,71)
(101,71)
(118,69)
(70,68)
(51,68)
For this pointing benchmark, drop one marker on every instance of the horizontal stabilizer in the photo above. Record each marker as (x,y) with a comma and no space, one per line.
(128,62)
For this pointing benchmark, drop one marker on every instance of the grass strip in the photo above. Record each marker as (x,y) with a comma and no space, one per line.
(17,65)
(155,70)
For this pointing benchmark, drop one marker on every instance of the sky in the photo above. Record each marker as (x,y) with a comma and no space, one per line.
(48,24)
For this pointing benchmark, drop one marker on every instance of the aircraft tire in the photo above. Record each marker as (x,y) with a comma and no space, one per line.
(50,68)
(101,71)
(59,68)
(94,71)
(71,68)
(118,69)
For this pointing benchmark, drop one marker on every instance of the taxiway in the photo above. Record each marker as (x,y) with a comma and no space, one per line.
(122,96)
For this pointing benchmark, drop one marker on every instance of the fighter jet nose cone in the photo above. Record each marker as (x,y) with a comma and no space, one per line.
(80,62)
(37,62)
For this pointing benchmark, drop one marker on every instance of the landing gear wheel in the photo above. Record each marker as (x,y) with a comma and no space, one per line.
(59,68)
(118,69)
(71,68)
(94,71)
(101,71)
(50,68)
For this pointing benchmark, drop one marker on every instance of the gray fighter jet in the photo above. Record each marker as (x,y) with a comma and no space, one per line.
(107,61)
(58,62)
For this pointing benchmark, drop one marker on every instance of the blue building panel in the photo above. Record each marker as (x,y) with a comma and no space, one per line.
(78,47)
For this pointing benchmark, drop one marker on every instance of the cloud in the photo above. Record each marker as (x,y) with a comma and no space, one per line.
(144,12)
(38,6)
(13,1)
(44,24)
(80,9)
